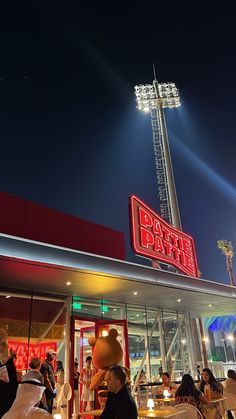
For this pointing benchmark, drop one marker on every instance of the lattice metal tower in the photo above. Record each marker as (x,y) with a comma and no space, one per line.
(154,98)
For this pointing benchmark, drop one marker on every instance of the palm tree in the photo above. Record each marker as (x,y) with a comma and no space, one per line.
(228,251)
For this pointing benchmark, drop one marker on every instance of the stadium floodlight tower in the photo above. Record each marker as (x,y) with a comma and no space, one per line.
(154,98)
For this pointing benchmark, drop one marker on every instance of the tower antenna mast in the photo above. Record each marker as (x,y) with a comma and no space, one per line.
(154,98)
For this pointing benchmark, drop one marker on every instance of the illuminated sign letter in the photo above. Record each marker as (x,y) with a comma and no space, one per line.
(144,218)
(153,238)
(147,238)
(159,245)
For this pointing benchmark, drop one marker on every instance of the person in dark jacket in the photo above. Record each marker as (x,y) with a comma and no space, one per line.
(49,378)
(8,378)
(120,404)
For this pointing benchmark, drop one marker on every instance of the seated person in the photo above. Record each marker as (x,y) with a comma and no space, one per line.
(212,389)
(209,383)
(188,393)
(120,404)
(142,377)
(142,380)
(166,385)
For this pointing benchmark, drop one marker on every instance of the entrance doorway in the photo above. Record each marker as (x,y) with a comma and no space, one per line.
(82,329)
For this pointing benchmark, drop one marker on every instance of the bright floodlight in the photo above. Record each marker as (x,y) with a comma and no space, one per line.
(150,96)
(230,337)
(153,98)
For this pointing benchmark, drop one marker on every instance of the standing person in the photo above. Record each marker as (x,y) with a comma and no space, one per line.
(230,389)
(188,393)
(120,404)
(8,377)
(212,389)
(49,379)
(86,376)
(76,387)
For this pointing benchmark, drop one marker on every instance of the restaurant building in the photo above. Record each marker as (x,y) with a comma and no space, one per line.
(63,279)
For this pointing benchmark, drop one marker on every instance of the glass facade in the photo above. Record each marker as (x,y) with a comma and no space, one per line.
(220,340)
(157,339)
(34,324)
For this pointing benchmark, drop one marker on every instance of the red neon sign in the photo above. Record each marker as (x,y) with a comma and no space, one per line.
(154,238)
(25,353)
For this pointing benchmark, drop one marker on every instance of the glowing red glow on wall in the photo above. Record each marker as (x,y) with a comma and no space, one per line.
(35,350)
(154,238)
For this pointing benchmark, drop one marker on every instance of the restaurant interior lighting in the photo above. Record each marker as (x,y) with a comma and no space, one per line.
(150,404)
(166,394)
(230,337)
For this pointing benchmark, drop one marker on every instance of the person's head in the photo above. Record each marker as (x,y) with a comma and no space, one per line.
(35,363)
(187,381)
(31,389)
(88,361)
(186,387)
(231,374)
(209,379)
(207,376)
(60,366)
(50,355)
(115,378)
(76,365)
(166,378)
(32,375)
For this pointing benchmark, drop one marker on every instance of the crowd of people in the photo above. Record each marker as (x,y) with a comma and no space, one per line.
(38,389)
(201,394)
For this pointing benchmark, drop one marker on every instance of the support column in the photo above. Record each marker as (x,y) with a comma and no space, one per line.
(197,356)
(146,340)
(68,303)
(162,341)
(204,349)
(190,344)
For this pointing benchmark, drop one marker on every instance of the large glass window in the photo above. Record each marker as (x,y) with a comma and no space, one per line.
(34,324)
(157,339)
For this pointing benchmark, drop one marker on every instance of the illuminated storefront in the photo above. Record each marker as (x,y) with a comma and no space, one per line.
(53,296)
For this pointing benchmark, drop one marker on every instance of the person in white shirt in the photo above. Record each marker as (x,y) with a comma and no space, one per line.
(86,376)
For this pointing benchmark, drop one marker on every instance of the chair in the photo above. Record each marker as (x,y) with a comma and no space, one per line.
(230,402)
(66,396)
(190,411)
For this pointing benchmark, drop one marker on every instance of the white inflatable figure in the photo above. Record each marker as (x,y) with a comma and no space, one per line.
(28,395)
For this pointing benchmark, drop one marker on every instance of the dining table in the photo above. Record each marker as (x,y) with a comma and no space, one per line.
(161,413)
(165,400)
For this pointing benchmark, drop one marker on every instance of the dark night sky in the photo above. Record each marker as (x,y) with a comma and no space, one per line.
(71,137)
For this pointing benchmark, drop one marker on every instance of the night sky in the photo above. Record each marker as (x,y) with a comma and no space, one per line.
(71,136)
